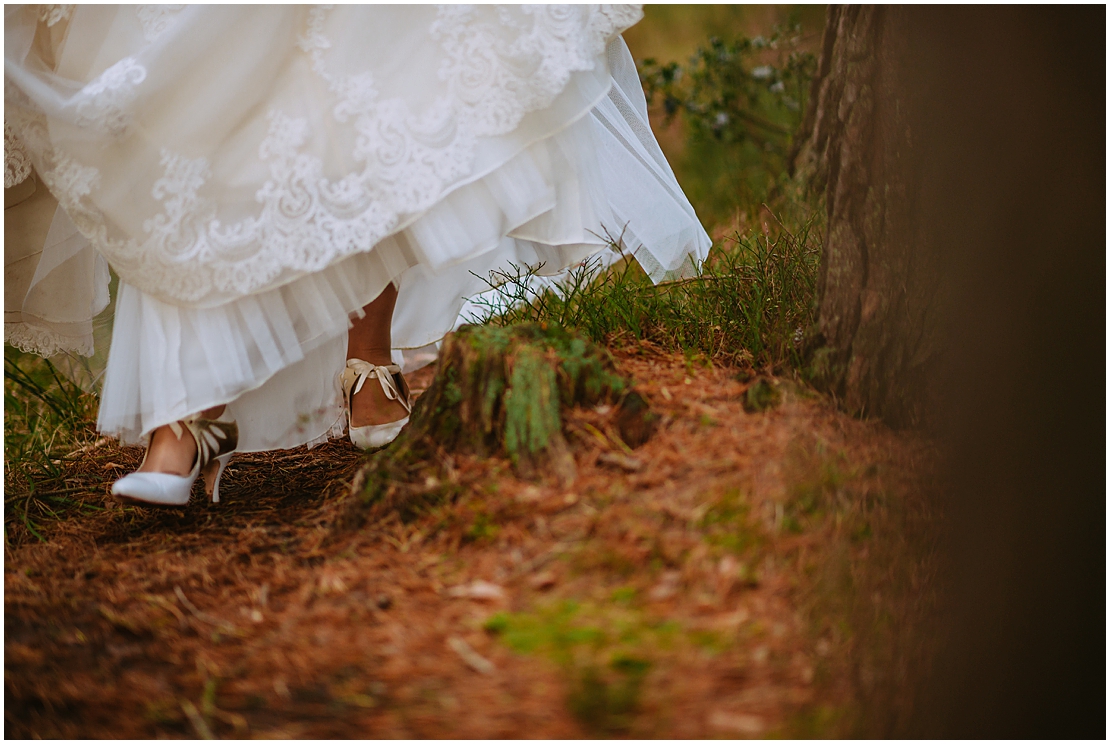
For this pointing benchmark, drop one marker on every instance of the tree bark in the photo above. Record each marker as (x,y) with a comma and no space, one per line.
(972,139)
(876,339)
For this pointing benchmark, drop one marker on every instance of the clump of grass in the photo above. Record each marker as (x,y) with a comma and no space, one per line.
(482,529)
(819,486)
(748,307)
(46,416)
(606,699)
(605,656)
(727,525)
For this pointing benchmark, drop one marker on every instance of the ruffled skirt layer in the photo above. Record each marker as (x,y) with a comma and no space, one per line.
(274,357)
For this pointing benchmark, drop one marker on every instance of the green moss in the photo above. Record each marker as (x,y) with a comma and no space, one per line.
(604,654)
(861,532)
(482,529)
(819,722)
(762,396)
(531,404)
(820,477)
(726,525)
(607,703)
(497,390)
(710,641)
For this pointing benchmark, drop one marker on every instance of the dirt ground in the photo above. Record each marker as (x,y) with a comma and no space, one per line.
(703,585)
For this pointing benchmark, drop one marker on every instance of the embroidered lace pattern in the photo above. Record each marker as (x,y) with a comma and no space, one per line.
(43,342)
(499,66)
(17,166)
(104,104)
(156,18)
(484,62)
(52,15)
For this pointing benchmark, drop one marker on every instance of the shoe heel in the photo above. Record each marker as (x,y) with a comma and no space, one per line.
(212,475)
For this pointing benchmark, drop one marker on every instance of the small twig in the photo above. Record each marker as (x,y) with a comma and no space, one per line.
(167,605)
(473,659)
(238,721)
(624,462)
(607,438)
(88,448)
(542,559)
(776,218)
(203,616)
(195,718)
(74,489)
(760,122)
(693,280)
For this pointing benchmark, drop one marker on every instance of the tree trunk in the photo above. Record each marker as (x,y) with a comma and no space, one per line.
(498,391)
(877,331)
(972,139)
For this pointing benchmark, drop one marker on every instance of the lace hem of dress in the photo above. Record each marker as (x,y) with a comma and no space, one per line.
(307,221)
(17,166)
(45,343)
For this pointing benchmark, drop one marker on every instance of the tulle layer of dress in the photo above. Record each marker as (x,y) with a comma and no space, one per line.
(274,357)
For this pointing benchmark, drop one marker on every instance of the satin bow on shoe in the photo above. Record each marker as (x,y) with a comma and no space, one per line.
(216,441)
(395,388)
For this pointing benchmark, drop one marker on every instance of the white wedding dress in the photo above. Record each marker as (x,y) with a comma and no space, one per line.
(257,174)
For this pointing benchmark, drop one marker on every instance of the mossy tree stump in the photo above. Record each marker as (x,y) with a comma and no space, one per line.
(499,392)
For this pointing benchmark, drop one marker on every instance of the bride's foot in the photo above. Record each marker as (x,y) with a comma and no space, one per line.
(177,455)
(169,453)
(172,453)
(377,402)
(371,407)
(376,393)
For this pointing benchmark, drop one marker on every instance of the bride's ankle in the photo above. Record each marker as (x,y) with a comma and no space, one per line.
(213,413)
(371,407)
(167,453)
(378,357)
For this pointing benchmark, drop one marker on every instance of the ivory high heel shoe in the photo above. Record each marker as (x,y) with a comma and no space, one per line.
(395,388)
(216,441)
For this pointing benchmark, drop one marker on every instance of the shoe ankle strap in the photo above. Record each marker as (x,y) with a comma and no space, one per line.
(358,372)
(213,437)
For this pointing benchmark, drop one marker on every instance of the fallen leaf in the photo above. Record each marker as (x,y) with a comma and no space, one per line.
(738,723)
(473,659)
(624,462)
(542,580)
(667,586)
(477,589)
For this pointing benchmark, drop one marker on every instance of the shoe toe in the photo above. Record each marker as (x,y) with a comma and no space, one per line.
(157,489)
(376,437)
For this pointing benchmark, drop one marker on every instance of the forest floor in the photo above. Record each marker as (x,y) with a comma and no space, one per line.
(739,575)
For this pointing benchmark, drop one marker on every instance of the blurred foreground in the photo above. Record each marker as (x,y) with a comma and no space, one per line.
(710,583)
